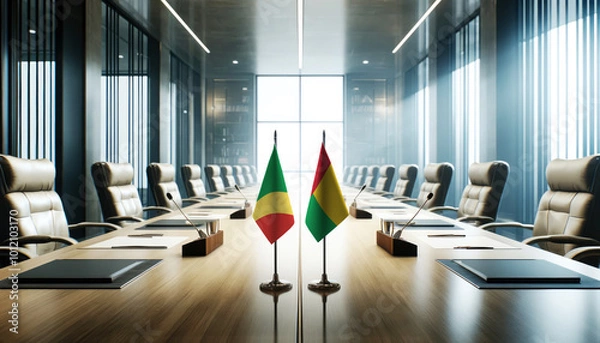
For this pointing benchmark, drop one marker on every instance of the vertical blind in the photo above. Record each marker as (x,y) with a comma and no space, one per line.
(560,68)
(124,91)
(465,101)
(185,109)
(33,79)
(415,104)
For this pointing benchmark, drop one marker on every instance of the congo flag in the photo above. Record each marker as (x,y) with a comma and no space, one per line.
(273,211)
(326,208)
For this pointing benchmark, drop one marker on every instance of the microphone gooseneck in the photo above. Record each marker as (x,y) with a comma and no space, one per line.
(201,233)
(360,191)
(399,232)
(237,188)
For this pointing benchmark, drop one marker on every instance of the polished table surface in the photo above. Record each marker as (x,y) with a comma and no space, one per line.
(382,298)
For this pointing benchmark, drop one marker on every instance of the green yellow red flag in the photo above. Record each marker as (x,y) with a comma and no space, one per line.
(273,211)
(326,208)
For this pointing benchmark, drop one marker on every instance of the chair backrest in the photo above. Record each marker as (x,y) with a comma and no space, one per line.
(437,181)
(27,191)
(572,203)
(481,197)
(372,175)
(254,173)
(116,192)
(227,175)
(361,175)
(386,176)
(213,177)
(247,173)
(161,180)
(407,176)
(352,175)
(238,175)
(346,175)
(192,180)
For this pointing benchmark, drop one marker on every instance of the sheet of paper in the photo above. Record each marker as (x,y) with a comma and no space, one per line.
(150,242)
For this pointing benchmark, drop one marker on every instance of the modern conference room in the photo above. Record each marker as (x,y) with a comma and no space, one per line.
(300,171)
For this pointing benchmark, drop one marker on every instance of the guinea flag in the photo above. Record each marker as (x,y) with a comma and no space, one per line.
(273,211)
(326,208)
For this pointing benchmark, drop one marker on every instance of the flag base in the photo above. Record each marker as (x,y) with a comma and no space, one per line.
(324,285)
(275,286)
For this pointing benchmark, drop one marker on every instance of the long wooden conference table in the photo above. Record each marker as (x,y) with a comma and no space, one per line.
(382,298)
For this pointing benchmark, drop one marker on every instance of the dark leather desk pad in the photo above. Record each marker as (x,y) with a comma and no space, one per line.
(83,274)
(519,274)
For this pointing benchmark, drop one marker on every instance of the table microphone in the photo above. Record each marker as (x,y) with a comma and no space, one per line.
(237,188)
(361,189)
(201,233)
(399,233)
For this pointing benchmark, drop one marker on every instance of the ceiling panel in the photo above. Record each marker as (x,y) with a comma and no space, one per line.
(261,34)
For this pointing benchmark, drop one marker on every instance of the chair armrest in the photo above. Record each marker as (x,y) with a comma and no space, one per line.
(406,199)
(194,200)
(157,208)
(118,219)
(493,226)
(213,195)
(563,239)
(477,219)
(443,208)
(199,198)
(582,253)
(107,226)
(40,239)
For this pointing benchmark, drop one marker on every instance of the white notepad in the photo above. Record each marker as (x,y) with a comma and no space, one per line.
(148,242)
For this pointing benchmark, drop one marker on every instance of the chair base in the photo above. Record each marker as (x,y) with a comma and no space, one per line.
(358,213)
(396,246)
(203,246)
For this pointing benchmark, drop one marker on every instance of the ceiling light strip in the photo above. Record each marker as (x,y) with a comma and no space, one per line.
(300,20)
(185,26)
(414,28)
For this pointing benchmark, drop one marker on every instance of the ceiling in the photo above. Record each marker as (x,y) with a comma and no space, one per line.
(262,34)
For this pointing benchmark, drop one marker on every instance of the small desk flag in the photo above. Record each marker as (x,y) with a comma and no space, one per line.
(273,211)
(326,208)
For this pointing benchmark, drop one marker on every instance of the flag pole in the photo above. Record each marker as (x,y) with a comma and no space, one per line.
(275,286)
(324,286)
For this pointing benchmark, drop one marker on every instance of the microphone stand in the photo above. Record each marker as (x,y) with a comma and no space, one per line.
(394,244)
(356,212)
(205,244)
(410,222)
(201,233)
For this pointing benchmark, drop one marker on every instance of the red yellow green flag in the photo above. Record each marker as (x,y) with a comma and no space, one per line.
(326,208)
(273,211)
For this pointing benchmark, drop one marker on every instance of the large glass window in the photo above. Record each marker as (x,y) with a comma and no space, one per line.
(416,118)
(561,78)
(300,109)
(32,53)
(124,93)
(185,113)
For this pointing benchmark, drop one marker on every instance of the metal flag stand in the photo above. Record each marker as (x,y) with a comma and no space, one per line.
(275,286)
(324,286)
